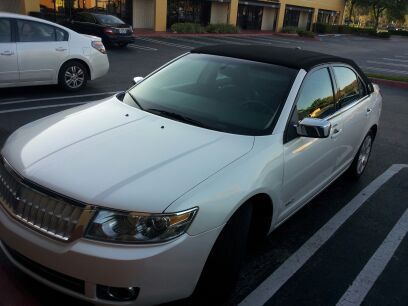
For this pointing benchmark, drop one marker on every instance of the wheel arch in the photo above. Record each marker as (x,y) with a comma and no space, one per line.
(88,69)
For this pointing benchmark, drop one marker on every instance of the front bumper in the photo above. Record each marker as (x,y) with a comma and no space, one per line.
(163,272)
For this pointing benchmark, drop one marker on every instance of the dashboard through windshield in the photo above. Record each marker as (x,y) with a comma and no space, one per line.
(220,93)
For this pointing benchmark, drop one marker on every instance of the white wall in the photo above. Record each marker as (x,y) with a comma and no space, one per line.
(143,14)
(268,18)
(219,12)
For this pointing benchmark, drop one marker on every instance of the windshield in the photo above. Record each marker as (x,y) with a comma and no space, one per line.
(219,93)
(108,19)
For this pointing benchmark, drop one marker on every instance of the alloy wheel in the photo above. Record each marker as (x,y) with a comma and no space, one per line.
(74,77)
(364,154)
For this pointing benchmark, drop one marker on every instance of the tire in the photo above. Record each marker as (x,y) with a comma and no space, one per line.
(220,274)
(361,159)
(73,76)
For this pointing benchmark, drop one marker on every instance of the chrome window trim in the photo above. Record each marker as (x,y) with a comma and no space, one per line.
(87,213)
(346,108)
(353,104)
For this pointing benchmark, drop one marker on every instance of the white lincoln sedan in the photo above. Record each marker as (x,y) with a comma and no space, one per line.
(155,194)
(38,52)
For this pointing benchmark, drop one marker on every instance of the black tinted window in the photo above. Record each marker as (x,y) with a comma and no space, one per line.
(88,18)
(78,18)
(30,31)
(109,20)
(350,87)
(5,31)
(316,96)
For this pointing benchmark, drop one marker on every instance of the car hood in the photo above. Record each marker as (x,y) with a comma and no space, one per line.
(113,155)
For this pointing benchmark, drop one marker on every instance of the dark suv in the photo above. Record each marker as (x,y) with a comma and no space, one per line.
(111,29)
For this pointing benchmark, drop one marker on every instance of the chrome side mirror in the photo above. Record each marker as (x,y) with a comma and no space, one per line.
(314,128)
(137,80)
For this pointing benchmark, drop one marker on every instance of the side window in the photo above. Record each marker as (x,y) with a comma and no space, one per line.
(78,18)
(60,35)
(31,31)
(350,87)
(88,18)
(316,96)
(5,31)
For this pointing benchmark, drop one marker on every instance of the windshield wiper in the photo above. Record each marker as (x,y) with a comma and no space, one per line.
(135,100)
(177,117)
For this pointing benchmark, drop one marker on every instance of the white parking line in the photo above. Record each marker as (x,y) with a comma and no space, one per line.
(401,56)
(142,47)
(365,280)
(164,43)
(384,70)
(59,98)
(281,275)
(387,64)
(15,110)
(395,60)
(278,40)
(194,41)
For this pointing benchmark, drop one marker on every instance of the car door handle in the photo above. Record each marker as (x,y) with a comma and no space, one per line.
(336,132)
(7,53)
(369,110)
(60,49)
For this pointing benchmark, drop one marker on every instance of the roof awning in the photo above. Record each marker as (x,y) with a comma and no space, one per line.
(328,12)
(299,8)
(261,3)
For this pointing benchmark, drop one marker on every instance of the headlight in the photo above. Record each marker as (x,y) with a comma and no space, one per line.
(133,227)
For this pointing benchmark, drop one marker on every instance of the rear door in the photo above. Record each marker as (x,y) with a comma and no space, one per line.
(8,53)
(354,103)
(42,48)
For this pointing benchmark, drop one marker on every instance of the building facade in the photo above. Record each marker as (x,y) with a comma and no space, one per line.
(159,15)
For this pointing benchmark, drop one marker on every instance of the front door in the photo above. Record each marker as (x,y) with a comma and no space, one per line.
(309,162)
(42,49)
(8,54)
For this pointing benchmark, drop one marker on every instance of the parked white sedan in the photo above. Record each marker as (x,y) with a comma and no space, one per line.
(154,194)
(37,52)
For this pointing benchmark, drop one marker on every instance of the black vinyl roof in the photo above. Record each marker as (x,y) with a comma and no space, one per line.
(288,57)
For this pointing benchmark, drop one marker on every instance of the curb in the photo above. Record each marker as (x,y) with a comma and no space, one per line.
(391,83)
(266,33)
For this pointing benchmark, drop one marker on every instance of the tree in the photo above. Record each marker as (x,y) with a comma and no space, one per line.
(351,4)
(378,7)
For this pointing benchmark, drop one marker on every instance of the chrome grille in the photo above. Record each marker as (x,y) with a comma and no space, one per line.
(52,216)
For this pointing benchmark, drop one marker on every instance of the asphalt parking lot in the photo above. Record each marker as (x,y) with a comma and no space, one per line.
(347,247)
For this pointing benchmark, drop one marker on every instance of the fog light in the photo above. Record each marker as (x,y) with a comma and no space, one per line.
(120,294)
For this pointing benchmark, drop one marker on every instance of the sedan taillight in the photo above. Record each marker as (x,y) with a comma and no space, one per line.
(98,45)
(109,31)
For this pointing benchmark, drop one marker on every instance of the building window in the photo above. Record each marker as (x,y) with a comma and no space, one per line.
(328,17)
(298,17)
(60,10)
(194,11)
